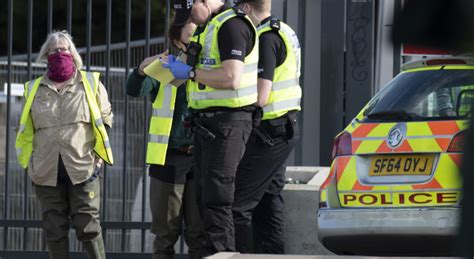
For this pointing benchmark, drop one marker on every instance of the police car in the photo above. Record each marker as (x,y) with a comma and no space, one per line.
(394,185)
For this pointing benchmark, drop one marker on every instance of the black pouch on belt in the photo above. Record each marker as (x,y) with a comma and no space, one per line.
(277,127)
(257,117)
(292,128)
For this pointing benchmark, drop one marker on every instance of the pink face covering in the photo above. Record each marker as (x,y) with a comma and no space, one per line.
(60,67)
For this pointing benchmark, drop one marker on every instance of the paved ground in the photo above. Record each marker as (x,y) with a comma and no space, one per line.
(254,256)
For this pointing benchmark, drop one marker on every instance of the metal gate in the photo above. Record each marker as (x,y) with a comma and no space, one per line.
(125,218)
(124,215)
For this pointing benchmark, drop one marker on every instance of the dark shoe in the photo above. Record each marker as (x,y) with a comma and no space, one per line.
(58,249)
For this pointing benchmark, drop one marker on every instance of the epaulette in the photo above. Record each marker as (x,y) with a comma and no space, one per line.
(238,11)
(275,24)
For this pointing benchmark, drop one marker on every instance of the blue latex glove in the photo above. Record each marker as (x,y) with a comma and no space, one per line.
(178,68)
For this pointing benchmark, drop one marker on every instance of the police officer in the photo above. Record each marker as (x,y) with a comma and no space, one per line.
(258,204)
(169,154)
(222,89)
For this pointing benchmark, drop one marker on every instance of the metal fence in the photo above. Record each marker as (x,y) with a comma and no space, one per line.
(125,218)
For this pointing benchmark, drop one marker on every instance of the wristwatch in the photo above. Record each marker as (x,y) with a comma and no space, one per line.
(192,73)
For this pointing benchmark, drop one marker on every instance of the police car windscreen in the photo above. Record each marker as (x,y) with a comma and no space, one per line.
(424,95)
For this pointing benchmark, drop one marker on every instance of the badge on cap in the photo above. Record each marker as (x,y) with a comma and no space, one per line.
(189,3)
(181,5)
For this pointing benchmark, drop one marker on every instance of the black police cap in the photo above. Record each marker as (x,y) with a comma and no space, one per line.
(244,1)
(182,9)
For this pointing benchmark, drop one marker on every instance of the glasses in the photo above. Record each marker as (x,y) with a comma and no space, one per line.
(56,50)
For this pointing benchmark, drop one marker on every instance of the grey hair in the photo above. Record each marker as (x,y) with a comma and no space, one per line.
(52,39)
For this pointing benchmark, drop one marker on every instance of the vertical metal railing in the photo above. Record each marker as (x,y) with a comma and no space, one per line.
(145,129)
(69,16)
(125,126)
(50,15)
(108,41)
(50,29)
(7,141)
(29,49)
(88,34)
(7,134)
(167,22)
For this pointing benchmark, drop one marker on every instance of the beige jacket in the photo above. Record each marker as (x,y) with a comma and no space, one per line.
(62,123)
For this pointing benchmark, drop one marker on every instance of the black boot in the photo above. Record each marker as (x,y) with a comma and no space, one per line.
(58,249)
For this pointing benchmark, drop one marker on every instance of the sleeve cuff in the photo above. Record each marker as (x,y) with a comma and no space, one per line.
(137,74)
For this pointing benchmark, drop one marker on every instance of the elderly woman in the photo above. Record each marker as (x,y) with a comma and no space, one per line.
(62,141)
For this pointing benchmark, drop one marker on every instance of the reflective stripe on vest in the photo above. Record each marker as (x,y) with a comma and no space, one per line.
(160,125)
(102,145)
(24,140)
(285,94)
(224,94)
(209,59)
(288,105)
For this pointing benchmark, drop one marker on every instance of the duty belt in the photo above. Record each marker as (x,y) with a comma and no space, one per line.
(274,130)
(210,114)
(238,114)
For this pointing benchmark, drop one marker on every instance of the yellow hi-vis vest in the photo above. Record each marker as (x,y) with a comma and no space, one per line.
(160,125)
(210,59)
(26,133)
(285,94)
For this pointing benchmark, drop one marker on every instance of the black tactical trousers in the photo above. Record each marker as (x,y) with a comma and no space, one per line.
(216,161)
(258,204)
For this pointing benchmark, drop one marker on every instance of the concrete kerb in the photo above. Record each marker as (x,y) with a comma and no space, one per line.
(288,256)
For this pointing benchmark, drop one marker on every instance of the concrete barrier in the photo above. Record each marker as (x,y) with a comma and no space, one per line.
(301,211)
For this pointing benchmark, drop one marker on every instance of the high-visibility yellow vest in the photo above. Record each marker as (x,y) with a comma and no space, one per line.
(285,94)
(26,133)
(209,59)
(160,125)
